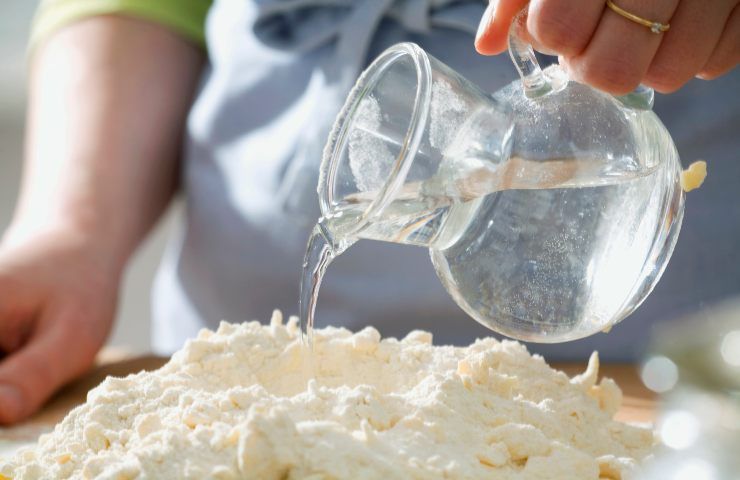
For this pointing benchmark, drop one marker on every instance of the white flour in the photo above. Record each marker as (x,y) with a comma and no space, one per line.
(242,403)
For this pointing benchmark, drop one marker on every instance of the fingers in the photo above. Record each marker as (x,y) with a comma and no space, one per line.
(683,52)
(54,355)
(14,314)
(621,51)
(726,54)
(493,30)
(600,47)
(564,26)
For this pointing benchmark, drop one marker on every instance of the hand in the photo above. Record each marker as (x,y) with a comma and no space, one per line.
(602,48)
(57,303)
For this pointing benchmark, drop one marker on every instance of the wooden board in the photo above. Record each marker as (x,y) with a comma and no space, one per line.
(639,403)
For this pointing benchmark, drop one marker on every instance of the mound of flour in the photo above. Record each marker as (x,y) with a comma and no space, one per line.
(249,401)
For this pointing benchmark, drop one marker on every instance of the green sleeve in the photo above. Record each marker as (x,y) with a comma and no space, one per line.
(186,17)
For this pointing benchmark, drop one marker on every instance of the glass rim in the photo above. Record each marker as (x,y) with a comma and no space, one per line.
(337,143)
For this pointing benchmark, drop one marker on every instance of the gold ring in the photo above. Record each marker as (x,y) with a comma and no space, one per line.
(655,27)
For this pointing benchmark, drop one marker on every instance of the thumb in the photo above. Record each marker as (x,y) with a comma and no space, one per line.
(29,376)
(493,31)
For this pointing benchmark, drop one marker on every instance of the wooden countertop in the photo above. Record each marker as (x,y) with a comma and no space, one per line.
(639,403)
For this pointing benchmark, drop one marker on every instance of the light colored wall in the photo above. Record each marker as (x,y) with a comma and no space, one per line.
(132,326)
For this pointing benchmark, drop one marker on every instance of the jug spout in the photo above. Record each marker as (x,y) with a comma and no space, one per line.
(403,150)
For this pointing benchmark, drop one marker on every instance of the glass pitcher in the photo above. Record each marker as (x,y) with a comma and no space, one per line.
(550,209)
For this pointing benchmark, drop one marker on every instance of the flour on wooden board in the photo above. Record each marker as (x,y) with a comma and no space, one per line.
(249,401)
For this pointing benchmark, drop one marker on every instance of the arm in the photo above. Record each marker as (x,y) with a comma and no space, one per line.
(108,101)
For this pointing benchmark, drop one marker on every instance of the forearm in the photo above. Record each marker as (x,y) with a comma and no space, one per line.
(108,101)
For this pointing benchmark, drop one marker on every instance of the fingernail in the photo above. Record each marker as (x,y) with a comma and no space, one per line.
(486,20)
(11,402)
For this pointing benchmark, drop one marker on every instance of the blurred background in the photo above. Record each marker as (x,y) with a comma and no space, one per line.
(132,326)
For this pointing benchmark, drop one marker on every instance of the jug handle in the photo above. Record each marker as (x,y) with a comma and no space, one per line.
(534,81)
(537,84)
